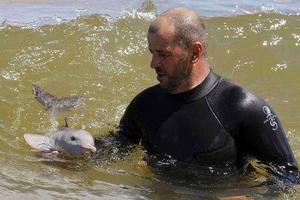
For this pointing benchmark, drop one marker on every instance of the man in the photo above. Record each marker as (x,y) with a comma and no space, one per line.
(195,115)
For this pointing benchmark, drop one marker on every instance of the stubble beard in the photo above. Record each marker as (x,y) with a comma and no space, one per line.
(180,78)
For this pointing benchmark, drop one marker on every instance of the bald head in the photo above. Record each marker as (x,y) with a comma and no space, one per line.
(184,25)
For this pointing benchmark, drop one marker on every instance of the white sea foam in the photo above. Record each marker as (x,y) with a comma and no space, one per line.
(37,13)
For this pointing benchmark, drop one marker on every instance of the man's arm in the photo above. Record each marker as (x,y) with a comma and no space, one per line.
(252,123)
(263,134)
(122,141)
(263,137)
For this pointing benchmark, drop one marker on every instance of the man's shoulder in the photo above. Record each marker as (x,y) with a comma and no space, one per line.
(230,91)
(153,90)
(234,105)
(147,95)
(230,97)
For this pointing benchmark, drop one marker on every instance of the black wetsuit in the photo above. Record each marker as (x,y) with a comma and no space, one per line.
(216,124)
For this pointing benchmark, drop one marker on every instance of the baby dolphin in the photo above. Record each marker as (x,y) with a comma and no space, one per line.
(66,141)
(52,102)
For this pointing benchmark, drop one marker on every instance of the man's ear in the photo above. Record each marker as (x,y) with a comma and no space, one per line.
(197,53)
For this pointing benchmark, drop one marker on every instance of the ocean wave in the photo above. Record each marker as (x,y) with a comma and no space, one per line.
(33,14)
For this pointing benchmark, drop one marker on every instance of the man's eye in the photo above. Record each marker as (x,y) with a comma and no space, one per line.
(163,55)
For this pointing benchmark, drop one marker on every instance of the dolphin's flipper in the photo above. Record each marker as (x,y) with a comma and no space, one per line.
(39,142)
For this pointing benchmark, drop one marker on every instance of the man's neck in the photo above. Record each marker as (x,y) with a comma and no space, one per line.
(198,75)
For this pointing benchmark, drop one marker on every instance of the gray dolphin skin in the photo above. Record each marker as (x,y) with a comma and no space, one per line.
(67,141)
(51,102)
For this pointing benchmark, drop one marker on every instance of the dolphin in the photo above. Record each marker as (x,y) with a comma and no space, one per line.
(65,141)
(51,102)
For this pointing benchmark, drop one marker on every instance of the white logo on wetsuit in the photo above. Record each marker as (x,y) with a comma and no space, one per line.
(270,118)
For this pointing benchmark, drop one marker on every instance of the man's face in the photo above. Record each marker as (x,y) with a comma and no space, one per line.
(169,60)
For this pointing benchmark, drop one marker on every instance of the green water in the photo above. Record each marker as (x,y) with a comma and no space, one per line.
(106,60)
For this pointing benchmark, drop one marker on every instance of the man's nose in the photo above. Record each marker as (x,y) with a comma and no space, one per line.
(155,62)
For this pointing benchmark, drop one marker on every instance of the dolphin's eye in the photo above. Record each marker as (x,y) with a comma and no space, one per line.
(73,138)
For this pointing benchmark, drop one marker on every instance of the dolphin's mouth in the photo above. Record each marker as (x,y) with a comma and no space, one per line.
(90,148)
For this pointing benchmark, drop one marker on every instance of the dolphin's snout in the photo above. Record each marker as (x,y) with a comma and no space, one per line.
(90,148)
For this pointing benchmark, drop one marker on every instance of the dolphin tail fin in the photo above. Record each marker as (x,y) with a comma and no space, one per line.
(53,103)
(38,142)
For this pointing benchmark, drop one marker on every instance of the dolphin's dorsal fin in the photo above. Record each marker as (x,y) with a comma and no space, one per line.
(66,122)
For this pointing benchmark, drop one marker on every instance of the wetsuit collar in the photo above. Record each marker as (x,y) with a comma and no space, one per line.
(200,90)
